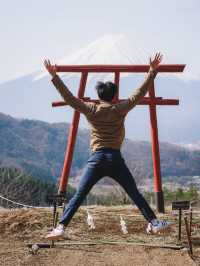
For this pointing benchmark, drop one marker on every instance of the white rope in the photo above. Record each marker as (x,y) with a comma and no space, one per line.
(89,214)
(20,204)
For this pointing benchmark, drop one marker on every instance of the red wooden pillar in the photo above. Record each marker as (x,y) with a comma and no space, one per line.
(116,81)
(156,154)
(72,139)
(117,78)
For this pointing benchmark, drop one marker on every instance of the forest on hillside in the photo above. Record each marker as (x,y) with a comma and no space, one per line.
(38,149)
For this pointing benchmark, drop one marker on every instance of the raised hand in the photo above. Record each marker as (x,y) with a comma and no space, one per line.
(156,61)
(49,67)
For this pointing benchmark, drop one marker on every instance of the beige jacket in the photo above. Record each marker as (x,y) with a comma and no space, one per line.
(106,119)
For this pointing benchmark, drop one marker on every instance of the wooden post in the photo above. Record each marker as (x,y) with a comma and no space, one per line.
(117,78)
(188,236)
(54,212)
(190,221)
(179,224)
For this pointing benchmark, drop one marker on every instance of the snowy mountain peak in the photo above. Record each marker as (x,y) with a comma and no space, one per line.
(109,49)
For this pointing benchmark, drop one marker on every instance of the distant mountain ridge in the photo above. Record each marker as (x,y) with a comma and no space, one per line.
(38,148)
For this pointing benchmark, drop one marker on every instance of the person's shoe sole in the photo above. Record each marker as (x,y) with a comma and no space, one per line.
(58,237)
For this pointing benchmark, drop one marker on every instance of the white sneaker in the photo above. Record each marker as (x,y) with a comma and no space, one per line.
(157,225)
(56,233)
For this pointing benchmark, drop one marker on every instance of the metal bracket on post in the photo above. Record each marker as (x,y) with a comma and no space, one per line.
(56,200)
(180,205)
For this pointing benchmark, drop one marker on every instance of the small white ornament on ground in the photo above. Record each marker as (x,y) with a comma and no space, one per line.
(123,225)
(35,248)
(90,220)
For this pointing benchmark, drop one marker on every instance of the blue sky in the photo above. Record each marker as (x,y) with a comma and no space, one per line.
(31,30)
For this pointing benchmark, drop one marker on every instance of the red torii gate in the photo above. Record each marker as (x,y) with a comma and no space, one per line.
(151,100)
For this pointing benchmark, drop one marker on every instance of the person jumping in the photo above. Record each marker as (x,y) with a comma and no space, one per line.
(106,120)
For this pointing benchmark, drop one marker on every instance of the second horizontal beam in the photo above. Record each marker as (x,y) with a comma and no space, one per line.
(144,101)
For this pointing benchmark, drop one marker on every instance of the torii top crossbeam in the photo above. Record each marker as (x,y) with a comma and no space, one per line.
(117,68)
(152,101)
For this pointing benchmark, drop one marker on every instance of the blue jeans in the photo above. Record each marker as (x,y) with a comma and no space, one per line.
(106,162)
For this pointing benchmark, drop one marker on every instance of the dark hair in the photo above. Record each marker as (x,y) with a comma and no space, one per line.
(106,91)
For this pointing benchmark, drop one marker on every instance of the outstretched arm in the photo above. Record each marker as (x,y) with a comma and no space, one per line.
(125,106)
(69,98)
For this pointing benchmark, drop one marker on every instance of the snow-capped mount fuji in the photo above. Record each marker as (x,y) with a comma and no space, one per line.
(31,96)
(109,49)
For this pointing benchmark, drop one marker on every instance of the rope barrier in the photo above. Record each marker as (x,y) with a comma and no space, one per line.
(119,214)
(21,204)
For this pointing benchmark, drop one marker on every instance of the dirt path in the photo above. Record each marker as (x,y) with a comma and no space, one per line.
(17,228)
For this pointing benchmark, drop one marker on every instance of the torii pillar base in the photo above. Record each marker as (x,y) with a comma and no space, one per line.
(159,200)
